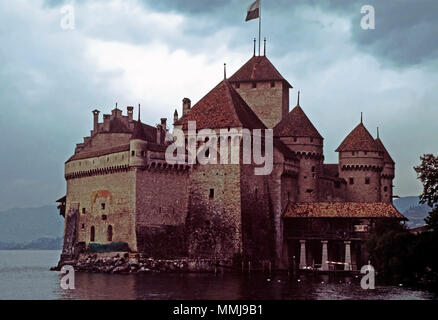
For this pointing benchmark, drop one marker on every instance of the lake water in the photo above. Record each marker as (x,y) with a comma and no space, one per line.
(26,275)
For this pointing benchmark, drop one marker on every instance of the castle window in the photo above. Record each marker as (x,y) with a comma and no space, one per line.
(351,180)
(272,84)
(337,184)
(132,153)
(365,153)
(256,191)
(83,226)
(83,210)
(211,195)
(385,189)
(159,209)
(353,153)
(92,234)
(313,169)
(288,195)
(109,233)
(102,206)
(367,180)
(237,85)
(254,85)
(104,217)
(142,153)
(311,139)
(295,139)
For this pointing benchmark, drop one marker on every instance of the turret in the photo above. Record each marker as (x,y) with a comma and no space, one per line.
(301,136)
(138,145)
(95,120)
(361,165)
(264,89)
(388,173)
(186,106)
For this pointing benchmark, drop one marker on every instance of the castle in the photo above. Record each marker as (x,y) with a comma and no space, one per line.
(120,188)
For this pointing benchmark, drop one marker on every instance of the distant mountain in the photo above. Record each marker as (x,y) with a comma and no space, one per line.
(40,244)
(30,224)
(411,208)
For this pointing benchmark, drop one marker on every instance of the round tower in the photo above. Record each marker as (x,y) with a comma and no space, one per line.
(301,136)
(388,173)
(138,145)
(361,165)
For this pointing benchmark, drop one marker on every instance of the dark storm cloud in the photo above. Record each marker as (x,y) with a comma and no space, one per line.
(405,34)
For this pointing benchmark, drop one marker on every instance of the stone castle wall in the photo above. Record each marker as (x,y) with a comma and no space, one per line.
(269,103)
(162,203)
(104,200)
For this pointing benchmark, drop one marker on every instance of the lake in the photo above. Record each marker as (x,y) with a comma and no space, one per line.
(25,275)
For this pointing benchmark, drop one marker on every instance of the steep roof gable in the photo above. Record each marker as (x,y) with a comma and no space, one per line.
(386,157)
(359,140)
(258,68)
(222,107)
(296,124)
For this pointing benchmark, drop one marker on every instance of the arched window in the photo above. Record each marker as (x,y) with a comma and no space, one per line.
(92,234)
(109,235)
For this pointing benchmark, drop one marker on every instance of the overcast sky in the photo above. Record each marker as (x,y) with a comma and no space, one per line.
(158,52)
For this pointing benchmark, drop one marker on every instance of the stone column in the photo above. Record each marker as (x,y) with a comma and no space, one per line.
(303,262)
(324,259)
(347,265)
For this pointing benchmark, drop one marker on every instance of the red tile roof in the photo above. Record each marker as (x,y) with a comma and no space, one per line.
(296,124)
(98,153)
(258,68)
(342,210)
(359,140)
(386,157)
(222,107)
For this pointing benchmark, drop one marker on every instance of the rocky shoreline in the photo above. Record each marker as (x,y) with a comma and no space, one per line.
(126,263)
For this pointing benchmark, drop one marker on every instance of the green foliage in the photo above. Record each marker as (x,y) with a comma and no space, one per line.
(109,247)
(427,172)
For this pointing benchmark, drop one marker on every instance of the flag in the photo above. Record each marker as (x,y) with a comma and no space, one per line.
(253,11)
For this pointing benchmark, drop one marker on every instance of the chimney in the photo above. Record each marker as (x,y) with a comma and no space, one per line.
(164,123)
(186,106)
(175,116)
(130,113)
(106,122)
(95,119)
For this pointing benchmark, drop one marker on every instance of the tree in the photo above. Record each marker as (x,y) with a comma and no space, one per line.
(427,172)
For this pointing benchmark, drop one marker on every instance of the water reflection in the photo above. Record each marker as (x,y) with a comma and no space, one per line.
(26,275)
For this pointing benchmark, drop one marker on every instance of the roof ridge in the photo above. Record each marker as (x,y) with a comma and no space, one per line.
(296,124)
(359,139)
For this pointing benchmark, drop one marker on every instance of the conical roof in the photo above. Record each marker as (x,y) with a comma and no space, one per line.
(359,140)
(222,107)
(296,124)
(386,157)
(258,68)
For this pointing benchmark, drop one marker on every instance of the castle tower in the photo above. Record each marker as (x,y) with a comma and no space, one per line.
(388,173)
(138,145)
(361,165)
(264,89)
(301,136)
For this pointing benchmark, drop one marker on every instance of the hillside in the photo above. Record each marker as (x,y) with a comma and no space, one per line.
(413,210)
(30,224)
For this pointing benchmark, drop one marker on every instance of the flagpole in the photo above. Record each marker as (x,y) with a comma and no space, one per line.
(260,24)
